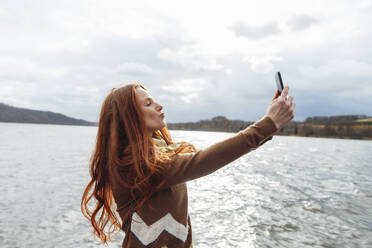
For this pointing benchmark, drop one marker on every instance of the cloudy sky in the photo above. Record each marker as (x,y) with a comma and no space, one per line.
(199,59)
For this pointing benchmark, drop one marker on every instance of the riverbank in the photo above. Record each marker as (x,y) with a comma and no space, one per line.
(343,127)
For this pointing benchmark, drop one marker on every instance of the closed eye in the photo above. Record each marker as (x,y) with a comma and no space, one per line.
(149,101)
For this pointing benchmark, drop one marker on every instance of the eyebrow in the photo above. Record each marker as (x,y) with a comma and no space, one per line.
(148,98)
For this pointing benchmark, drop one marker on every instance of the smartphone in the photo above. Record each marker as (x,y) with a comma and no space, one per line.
(279,81)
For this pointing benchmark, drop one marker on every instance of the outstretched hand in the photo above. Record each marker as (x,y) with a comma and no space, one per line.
(281,108)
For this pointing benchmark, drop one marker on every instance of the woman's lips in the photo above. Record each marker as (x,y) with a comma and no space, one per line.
(162,115)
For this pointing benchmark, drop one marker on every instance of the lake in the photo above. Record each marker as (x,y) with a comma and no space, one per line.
(291,192)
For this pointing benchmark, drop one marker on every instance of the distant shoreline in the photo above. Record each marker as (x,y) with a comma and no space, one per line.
(21,115)
(342,127)
(60,124)
(286,135)
(289,135)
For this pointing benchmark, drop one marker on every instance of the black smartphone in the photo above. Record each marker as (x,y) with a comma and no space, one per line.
(279,81)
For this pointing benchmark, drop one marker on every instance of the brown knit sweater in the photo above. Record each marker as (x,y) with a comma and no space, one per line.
(165,222)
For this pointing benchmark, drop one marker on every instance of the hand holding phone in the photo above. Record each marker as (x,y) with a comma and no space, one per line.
(280,113)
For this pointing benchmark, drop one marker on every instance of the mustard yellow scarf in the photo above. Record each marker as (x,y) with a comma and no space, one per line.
(162,146)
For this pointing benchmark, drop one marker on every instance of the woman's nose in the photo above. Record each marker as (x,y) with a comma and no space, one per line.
(159,107)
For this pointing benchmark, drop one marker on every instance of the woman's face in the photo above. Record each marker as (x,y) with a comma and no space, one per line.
(154,118)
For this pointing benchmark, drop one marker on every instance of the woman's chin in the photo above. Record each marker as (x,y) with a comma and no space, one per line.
(164,124)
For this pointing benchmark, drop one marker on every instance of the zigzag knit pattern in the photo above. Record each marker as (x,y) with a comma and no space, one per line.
(167,246)
(148,234)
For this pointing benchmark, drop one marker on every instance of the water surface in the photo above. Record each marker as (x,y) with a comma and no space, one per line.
(291,192)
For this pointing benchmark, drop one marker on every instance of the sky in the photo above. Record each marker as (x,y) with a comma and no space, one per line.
(199,59)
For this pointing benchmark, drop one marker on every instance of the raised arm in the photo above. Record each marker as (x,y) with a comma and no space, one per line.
(189,166)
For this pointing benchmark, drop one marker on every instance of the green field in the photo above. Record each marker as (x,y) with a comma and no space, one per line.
(365,120)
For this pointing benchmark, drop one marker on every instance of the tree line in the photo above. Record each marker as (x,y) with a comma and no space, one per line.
(343,126)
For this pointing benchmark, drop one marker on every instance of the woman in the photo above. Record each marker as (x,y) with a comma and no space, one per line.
(139,172)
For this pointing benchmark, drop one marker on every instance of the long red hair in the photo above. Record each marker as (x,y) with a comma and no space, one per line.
(124,151)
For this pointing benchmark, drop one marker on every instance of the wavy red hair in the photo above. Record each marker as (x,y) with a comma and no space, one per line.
(125,152)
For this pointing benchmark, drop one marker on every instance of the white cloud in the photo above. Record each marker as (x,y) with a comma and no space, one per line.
(27,69)
(339,67)
(189,57)
(301,21)
(261,63)
(255,32)
(135,68)
(186,86)
(185,90)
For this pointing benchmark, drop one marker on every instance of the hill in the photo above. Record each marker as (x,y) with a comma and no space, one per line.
(342,126)
(336,119)
(216,124)
(12,114)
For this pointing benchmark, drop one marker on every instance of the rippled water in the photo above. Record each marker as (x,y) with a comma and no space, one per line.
(291,192)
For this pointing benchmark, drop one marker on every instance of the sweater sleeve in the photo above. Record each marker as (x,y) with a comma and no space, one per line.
(189,166)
